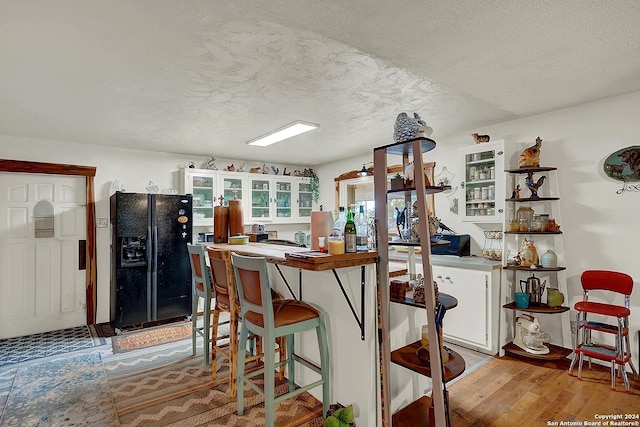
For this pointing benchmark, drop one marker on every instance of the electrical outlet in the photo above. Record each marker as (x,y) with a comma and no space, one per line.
(102,223)
(573,326)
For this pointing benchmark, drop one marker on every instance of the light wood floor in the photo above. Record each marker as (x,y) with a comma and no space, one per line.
(518,392)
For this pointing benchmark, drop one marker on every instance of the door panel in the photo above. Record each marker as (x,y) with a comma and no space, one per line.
(41,287)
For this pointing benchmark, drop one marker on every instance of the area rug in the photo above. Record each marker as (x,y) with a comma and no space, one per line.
(61,392)
(145,338)
(167,386)
(46,344)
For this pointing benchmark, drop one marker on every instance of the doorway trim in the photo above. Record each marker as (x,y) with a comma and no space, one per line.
(89,172)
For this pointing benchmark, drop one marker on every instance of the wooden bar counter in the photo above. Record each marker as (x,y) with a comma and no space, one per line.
(344,288)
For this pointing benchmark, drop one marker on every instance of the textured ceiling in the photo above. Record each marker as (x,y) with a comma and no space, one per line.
(202,77)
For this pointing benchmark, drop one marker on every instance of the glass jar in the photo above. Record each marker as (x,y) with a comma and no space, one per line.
(525,212)
(523,224)
(514,225)
(536,224)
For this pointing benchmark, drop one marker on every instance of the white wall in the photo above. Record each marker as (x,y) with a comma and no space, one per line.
(600,227)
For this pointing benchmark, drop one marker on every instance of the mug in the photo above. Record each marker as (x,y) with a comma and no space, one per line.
(522,299)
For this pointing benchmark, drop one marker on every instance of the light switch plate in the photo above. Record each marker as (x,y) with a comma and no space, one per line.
(102,223)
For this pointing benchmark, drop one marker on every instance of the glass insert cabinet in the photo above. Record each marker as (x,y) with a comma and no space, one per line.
(483,185)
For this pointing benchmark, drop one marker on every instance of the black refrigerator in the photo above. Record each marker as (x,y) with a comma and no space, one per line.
(150,269)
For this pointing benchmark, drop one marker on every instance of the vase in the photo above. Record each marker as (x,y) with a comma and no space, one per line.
(549,259)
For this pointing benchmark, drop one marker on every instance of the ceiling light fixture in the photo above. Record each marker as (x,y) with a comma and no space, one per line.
(292,129)
(364,171)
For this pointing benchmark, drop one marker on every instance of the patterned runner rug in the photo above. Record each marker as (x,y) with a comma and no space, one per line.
(37,346)
(145,338)
(166,385)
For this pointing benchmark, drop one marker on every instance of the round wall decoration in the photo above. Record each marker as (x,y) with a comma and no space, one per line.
(624,164)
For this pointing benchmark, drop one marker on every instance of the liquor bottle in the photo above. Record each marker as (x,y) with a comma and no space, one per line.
(338,226)
(362,231)
(350,234)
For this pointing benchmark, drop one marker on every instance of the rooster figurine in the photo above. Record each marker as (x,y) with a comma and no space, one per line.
(534,186)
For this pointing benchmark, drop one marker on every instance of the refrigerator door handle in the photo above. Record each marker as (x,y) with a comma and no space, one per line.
(154,293)
(150,269)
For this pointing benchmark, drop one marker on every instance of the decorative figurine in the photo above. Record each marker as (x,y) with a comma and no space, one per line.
(275,170)
(265,169)
(401,219)
(530,157)
(231,168)
(407,128)
(211,164)
(516,192)
(534,186)
(257,169)
(243,168)
(285,173)
(480,138)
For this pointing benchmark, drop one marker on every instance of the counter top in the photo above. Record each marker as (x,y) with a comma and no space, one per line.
(466,262)
(297,257)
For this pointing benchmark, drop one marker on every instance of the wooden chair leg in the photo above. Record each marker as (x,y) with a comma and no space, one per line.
(214,341)
(244,333)
(233,354)
(194,324)
(282,352)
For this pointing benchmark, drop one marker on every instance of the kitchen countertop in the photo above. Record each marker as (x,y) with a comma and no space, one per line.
(466,262)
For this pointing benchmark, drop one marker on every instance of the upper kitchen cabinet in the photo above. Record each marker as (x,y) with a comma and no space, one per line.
(483,185)
(204,187)
(280,199)
(265,198)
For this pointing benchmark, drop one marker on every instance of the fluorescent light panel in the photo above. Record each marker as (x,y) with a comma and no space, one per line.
(288,131)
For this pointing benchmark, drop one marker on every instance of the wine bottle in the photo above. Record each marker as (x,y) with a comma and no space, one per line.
(350,234)
(362,231)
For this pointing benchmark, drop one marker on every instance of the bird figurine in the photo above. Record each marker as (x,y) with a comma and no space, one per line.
(534,186)
(285,173)
(275,170)
(231,168)
(530,157)
(480,138)
(401,220)
(243,168)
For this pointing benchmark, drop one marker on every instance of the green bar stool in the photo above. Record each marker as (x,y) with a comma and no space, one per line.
(272,319)
(201,288)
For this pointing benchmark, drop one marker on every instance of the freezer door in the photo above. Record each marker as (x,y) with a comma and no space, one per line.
(130,264)
(172,229)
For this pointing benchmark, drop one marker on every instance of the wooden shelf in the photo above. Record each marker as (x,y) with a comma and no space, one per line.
(429,189)
(527,170)
(532,199)
(555,352)
(406,357)
(543,309)
(418,414)
(446,299)
(533,270)
(406,147)
(533,232)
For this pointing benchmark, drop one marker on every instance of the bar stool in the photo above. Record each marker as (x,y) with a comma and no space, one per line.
(618,354)
(226,300)
(271,319)
(201,288)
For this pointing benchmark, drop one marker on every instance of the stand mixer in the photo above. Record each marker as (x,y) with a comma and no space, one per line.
(528,336)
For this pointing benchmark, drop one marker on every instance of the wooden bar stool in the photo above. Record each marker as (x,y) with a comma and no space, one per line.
(201,288)
(271,319)
(620,353)
(226,300)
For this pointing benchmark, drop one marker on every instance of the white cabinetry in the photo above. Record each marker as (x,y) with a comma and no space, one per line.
(483,166)
(474,322)
(265,198)
(279,199)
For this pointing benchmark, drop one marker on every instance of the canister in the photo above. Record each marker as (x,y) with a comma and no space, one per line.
(484,193)
(477,193)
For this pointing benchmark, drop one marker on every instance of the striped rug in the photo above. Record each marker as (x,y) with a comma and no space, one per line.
(170,387)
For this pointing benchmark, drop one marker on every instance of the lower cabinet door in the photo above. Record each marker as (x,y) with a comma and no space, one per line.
(468,322)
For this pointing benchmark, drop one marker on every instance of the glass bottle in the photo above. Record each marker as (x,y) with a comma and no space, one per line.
(362,231)
(350,234)
(338,226)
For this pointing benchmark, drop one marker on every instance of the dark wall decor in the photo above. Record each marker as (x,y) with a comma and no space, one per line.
(624,165)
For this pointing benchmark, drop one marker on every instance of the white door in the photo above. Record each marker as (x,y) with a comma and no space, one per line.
(42,221)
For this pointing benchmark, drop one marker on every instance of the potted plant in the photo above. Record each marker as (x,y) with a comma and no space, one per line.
(339,416)
(314,186)
(397,182)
